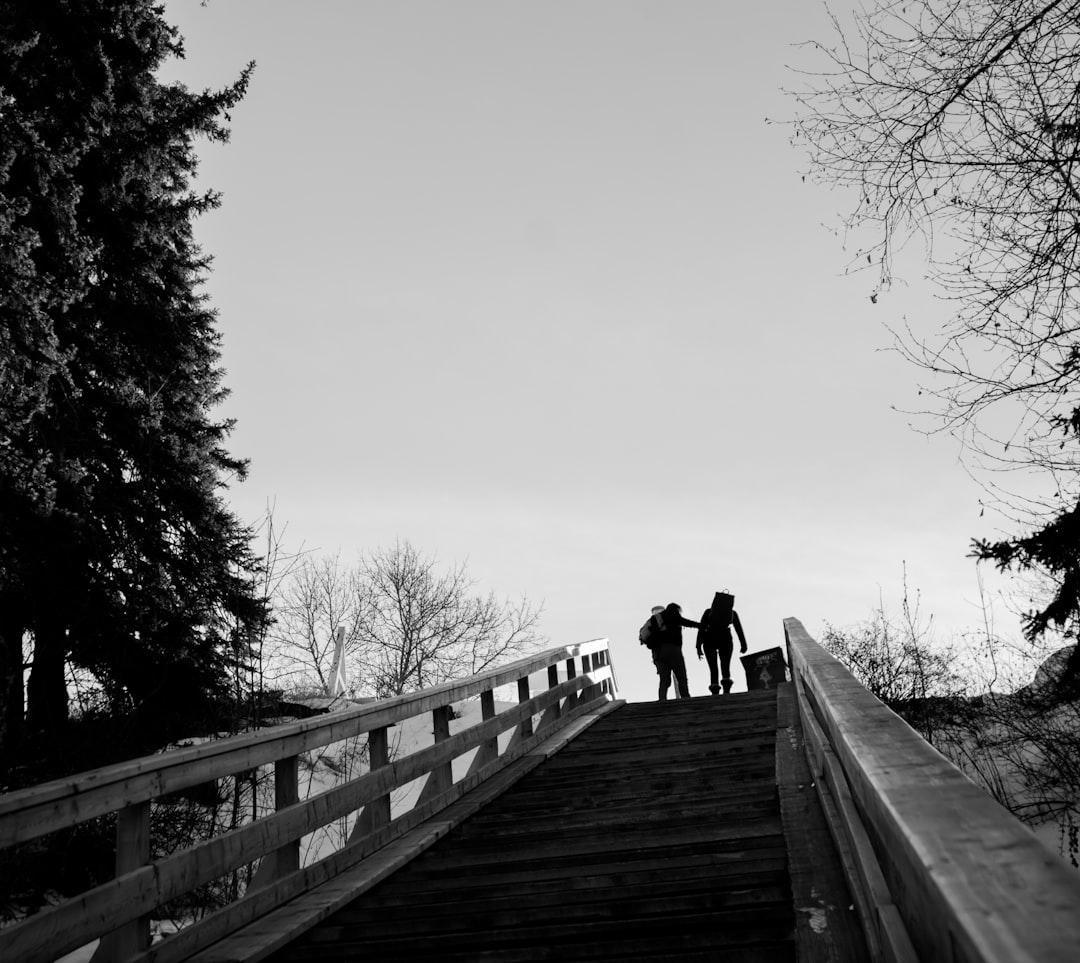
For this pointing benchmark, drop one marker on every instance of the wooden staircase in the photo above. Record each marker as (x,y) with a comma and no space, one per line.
(655,834)
(804,822)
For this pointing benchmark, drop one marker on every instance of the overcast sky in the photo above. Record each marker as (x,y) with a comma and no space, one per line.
(535,286)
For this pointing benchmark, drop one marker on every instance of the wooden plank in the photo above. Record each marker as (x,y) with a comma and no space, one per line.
(595,903)
(376,812)
(41,809)
(525,727)
(610,940)
(269,934)
(680,949)
(681,884)
(828,930)
(192,939)
(866,883)
(105,907)
(489,748)
(885,933)
(745,912)
(442,776)
(285,859)
(552,713)
(597,881)
(132,852)
(956,859)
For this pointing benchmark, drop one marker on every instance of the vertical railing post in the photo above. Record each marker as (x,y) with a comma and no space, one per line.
(553,711)
(132,851)
(287,793)
(378,758)
(524,695)
(590,663)
(571,673)
(609,684)
(524,728)
(377,812)
(285,859)
(442,777)
(489,748)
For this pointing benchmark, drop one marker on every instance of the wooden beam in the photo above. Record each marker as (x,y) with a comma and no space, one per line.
(270,934)
(132,852)
(551,714)
(489,748)
(827,929)
(375,813)
(442,776)
(139,889)
(970,882)
(286,858)
(29,813)
(571,672)
(525,726)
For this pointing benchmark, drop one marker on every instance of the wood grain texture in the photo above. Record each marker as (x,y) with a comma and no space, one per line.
(827,925)
(29,813)
(971,883)
(656,834)
(375,858)
(138,891)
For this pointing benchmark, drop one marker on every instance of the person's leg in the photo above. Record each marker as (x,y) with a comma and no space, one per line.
(726,648)
(714,672)
(664,671)
(678,667)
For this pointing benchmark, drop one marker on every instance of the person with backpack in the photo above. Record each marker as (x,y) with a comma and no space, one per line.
(663,635)
(714,639)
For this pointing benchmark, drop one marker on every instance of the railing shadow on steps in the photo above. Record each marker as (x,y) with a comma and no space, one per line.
(940,872)
(575,680)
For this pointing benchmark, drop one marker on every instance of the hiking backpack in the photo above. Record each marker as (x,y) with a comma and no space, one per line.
(652,632)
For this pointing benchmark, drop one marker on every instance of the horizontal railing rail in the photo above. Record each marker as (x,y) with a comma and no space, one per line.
(576,679)
(938,869)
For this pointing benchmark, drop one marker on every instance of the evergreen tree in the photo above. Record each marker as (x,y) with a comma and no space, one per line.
(118,553)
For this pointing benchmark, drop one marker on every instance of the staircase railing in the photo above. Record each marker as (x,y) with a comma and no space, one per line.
(574,680)
(940,871)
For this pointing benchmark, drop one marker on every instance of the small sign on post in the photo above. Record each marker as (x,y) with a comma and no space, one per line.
(764,670)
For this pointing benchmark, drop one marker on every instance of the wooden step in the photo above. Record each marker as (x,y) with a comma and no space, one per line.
(654,835)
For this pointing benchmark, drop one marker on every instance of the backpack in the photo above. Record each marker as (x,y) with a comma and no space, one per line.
(722,610)
(652,632)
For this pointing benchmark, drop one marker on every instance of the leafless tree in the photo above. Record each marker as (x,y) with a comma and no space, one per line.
(991,708)
(960,123)
(408,625)
(899,660)
(417,627)
(319,595)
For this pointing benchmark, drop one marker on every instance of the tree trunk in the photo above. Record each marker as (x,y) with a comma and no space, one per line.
(11,684)
(46,690)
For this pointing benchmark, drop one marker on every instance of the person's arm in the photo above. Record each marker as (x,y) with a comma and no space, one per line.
(690,625)
(738,631)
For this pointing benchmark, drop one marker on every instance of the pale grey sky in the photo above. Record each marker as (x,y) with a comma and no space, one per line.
(534,285)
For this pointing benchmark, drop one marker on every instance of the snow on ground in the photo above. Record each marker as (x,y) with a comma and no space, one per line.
(335,764)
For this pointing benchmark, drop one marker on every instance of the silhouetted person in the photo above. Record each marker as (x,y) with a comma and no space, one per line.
(668,656)
(714,638)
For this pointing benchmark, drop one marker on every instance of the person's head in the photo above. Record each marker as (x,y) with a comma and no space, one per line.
(674,607)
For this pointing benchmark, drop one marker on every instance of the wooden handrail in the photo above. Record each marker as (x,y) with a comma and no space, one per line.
(64,802)
(941,870)
(119,910)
